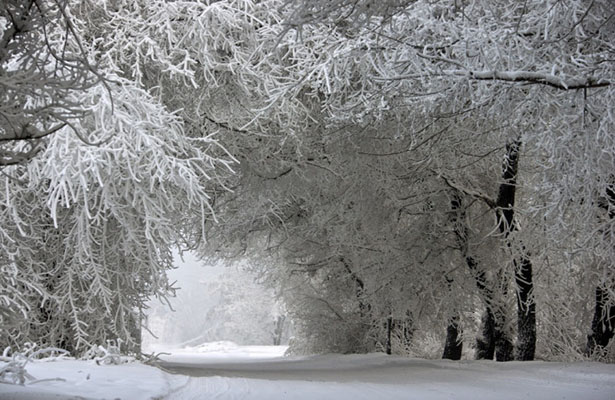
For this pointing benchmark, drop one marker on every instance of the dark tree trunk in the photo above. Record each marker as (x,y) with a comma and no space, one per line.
(389,328)
(404,328)
(504,348)
(485,340)
(494,336)
(408,329)
(453,346)
(526,312)
(603,323)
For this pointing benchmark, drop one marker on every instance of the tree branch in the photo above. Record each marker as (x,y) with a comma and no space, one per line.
(537,78)
(480,196)
(528,77)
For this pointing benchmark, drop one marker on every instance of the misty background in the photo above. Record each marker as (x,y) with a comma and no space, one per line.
(215,303)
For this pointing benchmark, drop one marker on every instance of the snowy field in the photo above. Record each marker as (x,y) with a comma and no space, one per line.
(226,371)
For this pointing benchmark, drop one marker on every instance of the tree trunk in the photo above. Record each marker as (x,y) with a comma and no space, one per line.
(278,330)
(526,312)
(404,329)
(364,308)
(485,340)
(388,329)
(603,323)
(453,346)
(504,348)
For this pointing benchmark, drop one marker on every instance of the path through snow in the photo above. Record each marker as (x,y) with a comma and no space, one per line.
(227,371)
(241,374)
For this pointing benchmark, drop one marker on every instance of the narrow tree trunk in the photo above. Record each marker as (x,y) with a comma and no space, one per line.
(504,347)
(494,336)
(453,345)
(526,312)
(485,340)
(278,330)
(603,323)
(364,308)
(389,329)
(404,328)
(408,329)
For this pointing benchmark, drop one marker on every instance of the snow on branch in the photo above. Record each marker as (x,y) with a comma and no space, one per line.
(527,77)
(537,78)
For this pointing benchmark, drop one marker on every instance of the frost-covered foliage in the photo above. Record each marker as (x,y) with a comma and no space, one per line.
(88,224)
(42,69)
(414,109)
(13,367)
(107,355)
(88,229)
(373,140)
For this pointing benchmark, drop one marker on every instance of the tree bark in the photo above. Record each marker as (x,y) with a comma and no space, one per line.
(526,307)
(485,340)
(404,328)
(278,330)
(504,348)
(389,327)
(603,323)
(364,308)
(453,346)
(526,312)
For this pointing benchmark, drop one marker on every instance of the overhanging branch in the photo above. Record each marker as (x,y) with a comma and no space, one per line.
(526,77)
(537,78)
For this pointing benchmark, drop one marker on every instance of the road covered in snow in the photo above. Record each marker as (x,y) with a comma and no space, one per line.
(241,374)
(227,371)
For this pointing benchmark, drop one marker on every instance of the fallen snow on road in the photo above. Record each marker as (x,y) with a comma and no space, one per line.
(226,371)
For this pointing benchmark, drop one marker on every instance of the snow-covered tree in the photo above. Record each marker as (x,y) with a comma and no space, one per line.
(407,164)
(101,220)
(89,222)
(488,78)
(43,69)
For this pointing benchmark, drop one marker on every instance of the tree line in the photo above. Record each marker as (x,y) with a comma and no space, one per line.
(401,172)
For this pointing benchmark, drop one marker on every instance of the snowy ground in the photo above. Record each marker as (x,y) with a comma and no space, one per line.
(226,371)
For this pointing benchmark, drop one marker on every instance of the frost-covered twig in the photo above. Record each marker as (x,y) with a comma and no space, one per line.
(153,358)
(14,371)
(110,354)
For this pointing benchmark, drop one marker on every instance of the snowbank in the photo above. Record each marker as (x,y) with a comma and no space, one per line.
(72,379)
